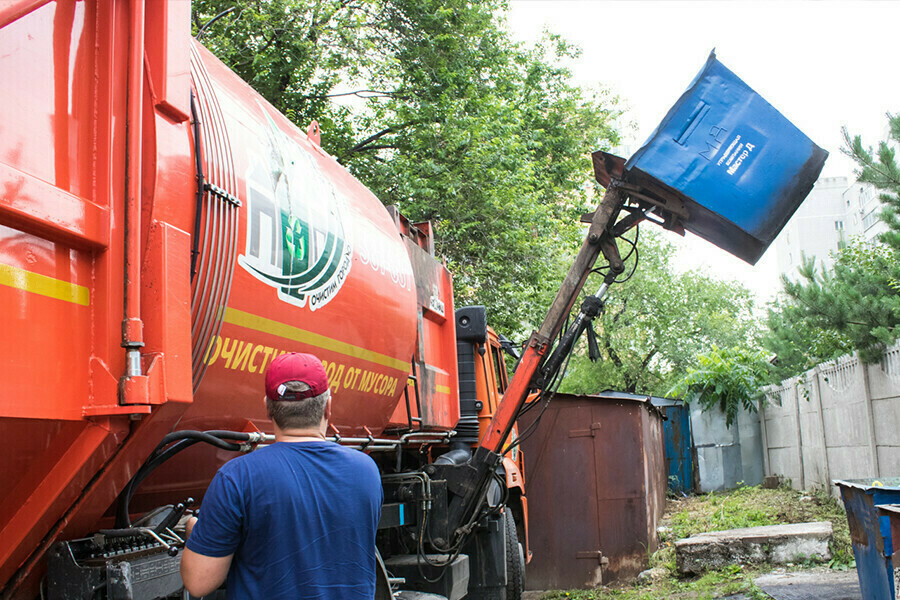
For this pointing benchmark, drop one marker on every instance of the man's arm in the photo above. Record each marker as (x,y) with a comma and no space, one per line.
(201,574)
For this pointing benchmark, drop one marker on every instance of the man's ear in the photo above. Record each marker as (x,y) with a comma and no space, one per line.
(328,408)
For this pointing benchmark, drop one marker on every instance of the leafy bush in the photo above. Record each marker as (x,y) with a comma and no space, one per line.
(729,378)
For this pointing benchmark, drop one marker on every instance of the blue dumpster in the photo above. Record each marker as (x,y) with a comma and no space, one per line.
(871,533)
(892,512)
(723,164)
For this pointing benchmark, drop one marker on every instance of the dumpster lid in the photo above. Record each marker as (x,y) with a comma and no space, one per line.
(870,484)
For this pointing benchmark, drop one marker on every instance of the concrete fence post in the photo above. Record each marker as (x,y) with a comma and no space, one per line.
(764,436)
(870,420)
(821,411)
(799,430)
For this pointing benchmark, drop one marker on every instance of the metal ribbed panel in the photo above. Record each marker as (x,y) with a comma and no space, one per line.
(219,222)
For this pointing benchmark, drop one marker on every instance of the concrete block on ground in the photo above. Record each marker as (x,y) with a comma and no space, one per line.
(771,543)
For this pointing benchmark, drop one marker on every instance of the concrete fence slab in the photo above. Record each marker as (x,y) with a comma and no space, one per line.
(839,420)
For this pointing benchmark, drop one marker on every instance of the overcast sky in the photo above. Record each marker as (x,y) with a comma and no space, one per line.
(824,65)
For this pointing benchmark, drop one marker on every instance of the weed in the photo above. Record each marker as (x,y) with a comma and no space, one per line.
(807,562)
(841,559)
(746,507)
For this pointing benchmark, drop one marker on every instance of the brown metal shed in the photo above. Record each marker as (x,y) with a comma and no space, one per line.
(595,479)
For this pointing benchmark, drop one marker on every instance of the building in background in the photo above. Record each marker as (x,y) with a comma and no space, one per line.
(835,211)
(861,199)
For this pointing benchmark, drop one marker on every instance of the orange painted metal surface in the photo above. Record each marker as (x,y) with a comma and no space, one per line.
(360,317)
(492,381)
(62,196)
(98,125)
(494,435)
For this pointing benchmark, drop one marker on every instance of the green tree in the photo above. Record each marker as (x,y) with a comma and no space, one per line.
(858,298)
(501,173)
(880,169)
(292,52)
(460,126)
(656,323)
(728,378)
(798,341)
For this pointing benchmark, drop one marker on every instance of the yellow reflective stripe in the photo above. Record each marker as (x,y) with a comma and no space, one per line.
(443,389)
(264,325)
(21,279)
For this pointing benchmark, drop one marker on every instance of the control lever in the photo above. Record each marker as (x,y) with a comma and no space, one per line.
(157,525)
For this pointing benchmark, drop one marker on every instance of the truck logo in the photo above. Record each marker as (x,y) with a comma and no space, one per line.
(296,241)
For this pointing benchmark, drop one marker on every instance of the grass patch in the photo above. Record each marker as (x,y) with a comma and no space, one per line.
(747,506)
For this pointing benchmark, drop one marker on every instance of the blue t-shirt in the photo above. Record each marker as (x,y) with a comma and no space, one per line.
(300,519)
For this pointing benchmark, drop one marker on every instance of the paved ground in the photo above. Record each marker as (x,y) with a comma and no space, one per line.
(811,585)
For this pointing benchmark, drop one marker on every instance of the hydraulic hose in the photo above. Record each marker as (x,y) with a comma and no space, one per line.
(590,308)
(176,442)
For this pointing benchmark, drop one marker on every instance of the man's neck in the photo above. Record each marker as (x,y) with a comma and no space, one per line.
(299,435)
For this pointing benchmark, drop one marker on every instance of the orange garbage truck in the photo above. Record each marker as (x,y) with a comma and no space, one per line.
(164,234)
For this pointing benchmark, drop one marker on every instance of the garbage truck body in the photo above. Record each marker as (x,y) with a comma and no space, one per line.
(164,234)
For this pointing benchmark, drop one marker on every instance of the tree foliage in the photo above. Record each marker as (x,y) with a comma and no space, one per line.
(452,121)
(856,304)
(656,323)
(798,341)
(293,53)
(727,378)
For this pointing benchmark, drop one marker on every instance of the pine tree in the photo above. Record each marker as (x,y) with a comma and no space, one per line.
(797,342)
(859,298)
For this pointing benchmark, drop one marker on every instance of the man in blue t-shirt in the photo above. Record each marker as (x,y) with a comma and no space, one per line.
(296,519)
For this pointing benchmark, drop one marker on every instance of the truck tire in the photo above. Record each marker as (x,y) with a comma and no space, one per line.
(515,559)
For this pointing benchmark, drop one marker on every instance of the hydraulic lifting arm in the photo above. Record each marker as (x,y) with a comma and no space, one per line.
(529,374)
(535,368)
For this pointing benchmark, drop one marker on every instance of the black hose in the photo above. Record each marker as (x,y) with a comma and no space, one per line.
(214,437)
(547,392)
(182,440)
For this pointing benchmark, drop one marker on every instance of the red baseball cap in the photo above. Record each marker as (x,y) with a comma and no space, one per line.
(295,366)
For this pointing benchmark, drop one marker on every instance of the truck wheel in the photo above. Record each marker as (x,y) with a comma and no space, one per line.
(515,559)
